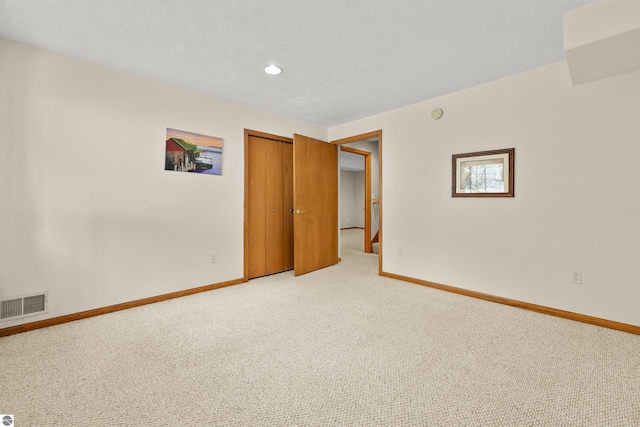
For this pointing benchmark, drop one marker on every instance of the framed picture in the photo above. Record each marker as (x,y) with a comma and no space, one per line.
(483,174)
(192,152)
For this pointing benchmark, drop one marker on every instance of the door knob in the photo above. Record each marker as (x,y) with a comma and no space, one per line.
(298,211)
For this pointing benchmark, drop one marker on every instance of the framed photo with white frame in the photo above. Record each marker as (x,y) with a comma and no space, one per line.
(483,174)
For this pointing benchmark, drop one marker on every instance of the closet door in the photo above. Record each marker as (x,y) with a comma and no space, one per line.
(256,202)
(274,202)
(315,181)
(270,204)
(287,173)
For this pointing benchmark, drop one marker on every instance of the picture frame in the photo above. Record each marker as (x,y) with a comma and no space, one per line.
(192,152)
(483,173)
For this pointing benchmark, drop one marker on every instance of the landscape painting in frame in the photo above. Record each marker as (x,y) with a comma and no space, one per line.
(483,174)
(193,152)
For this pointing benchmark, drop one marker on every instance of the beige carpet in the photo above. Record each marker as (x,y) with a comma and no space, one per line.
(337,347)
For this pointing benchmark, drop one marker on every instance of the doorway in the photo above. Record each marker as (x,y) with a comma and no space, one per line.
(355,192)
(368,146)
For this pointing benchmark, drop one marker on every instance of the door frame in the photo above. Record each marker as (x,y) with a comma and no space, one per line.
(361,137)
(249,133)
(367,194)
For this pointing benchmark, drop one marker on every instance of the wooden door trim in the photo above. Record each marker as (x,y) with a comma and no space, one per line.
(247,134)
(356,138)
(367,194)
(361,137)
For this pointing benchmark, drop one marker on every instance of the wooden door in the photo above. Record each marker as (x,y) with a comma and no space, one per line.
(287,173)
(256,207)
(315,192)
(274,197)
(269,205)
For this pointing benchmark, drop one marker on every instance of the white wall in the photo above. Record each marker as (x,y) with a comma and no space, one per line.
(87,211)
(351,199)
(576,204)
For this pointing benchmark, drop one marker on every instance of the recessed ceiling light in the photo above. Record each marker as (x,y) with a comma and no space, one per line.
(273,70)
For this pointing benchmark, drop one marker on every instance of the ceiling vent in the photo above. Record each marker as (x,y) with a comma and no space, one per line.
(23,306)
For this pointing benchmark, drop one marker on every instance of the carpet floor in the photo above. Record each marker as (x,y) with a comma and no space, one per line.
(337,347)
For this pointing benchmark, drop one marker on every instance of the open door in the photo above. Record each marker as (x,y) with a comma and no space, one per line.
(315,198)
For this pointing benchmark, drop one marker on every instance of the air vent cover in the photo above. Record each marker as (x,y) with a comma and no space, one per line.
(23,306)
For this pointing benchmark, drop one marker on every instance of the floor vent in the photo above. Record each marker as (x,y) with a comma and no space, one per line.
(23,306)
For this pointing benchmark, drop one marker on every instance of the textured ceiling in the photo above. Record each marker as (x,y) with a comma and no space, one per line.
(342,59)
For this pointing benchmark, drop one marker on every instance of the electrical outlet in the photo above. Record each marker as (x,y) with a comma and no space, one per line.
(400,252)
(214,258)
(576,277)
